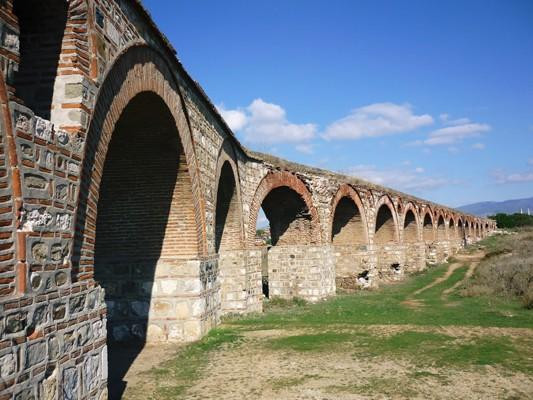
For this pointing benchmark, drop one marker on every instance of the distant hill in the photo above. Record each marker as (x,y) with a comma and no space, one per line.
(492,207)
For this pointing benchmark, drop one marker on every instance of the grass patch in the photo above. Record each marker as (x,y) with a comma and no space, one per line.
(420,348)
(384,306)
(173,377)
(311,342)
(277,303)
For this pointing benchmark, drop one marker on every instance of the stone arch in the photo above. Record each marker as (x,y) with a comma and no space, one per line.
(348,222)
(298,217)
(386,223)
(228,206)
(428,227)
(138,69)
(410,224)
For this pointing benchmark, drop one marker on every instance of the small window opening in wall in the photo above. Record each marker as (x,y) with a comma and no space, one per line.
(364,278)
(396,268)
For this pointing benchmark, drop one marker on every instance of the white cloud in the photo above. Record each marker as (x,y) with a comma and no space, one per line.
(455,134)
(263,122)
(444,117)
(376,119)
(530,161)
(236,119)
(404,179)
(519,177)
(478,146)
(305,148)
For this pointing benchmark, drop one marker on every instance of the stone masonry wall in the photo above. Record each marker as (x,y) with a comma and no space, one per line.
(303,271)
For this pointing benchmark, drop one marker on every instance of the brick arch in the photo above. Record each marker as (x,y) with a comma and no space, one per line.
(232,235)
(410,207)
(275,180)
(138,69)
(346,191)
(386,201)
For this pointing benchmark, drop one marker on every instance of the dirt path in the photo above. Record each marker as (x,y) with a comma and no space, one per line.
(461,259)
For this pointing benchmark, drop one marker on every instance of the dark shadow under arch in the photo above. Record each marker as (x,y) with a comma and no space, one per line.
(410,227)
(145,213)
(427,228)
(441,228)
(385,231)
(289,217)
(42,26)
(347,226)
(227,215)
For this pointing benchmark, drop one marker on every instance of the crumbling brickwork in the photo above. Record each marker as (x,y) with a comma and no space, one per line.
(128,208)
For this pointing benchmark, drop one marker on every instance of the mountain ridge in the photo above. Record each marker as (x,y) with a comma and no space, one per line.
(485,208)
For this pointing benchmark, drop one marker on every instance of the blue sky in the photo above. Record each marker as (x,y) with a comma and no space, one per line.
(432,98)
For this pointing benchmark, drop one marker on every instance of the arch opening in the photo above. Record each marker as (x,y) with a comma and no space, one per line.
(460,230)
(145,219)
(289,217)
(347,226)
(452,231)
(441,228)
(385,231)
(410,227)
(227,216)
(42,26)
(427,230)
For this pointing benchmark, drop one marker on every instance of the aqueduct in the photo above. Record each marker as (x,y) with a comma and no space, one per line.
(128,207)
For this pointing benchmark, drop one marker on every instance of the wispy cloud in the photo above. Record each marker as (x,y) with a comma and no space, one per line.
(401,178)
(377,119)
(263,122)
(455,133)
(502,177)
(478,146)
(530,161)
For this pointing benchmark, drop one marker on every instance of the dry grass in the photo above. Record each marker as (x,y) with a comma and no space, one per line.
(507,269)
